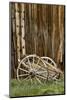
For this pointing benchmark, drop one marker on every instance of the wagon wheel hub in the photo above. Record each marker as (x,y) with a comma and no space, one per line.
(32,73)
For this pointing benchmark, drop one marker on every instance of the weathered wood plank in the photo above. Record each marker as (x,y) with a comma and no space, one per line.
(17,29)
(23,30)
(38,29)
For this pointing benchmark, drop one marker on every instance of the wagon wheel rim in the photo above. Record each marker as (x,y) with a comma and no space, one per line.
(33,68)
(52,62)
(52,67)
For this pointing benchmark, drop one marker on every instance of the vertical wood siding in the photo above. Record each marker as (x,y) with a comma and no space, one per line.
(37,29)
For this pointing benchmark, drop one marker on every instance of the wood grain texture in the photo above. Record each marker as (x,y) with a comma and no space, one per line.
(37,29)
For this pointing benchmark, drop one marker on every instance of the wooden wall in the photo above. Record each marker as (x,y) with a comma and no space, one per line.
(36,29)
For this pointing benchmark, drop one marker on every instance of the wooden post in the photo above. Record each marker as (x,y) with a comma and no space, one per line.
(53,33)
(17,29)
(35,28)
(14,59)
(61,32)
(45,18)
(22,30)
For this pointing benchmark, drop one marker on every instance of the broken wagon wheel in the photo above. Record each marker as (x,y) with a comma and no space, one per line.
(32,67)
(52,67)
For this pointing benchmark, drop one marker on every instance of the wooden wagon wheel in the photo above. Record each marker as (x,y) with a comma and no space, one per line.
(32,67)
(52,67)
(50,61)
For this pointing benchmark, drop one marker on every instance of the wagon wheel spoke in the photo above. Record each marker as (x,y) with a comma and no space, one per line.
(25,65)
(54,75)
(49,60)
(41,77)
(35,81)
(29,62)
(41,68)
(38,80)
(41,72)
(33,59)
(23,75)
(31,80)
(52,68)
(23,70)
(38,61)
(50,65)
(26,78)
